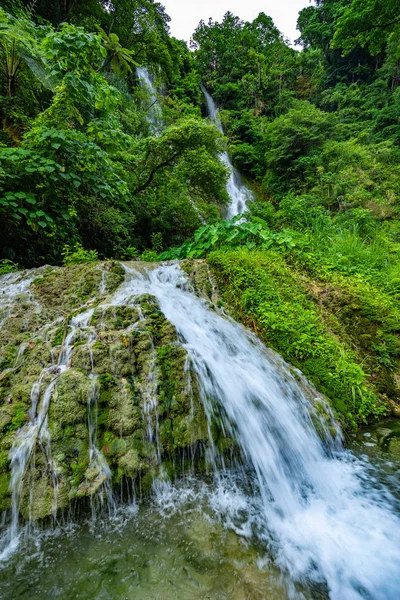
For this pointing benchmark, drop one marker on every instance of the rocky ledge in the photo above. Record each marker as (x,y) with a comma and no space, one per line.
(111,383)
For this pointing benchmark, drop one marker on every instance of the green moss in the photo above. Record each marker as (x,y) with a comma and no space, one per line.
(20,416)
(273,299)
(5,496)
(123,416)
(114,317)
(58,337)
(200,277)
(130,463)
(69,405)
(4,461)
(37,501)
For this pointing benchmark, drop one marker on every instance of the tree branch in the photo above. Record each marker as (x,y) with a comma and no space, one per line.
(166,163)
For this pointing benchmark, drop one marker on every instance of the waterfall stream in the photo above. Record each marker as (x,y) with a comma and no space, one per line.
(319,516)
(154,111)
(311,504)
(238,192)
(98,462)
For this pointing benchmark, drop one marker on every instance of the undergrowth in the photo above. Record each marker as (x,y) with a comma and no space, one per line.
(267,294)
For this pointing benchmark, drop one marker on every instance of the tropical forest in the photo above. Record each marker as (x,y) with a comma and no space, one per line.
(199,303)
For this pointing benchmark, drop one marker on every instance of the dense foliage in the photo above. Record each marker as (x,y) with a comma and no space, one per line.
(79,161)
(316,132)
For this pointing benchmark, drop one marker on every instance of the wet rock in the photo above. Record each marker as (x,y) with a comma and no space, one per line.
(146,407)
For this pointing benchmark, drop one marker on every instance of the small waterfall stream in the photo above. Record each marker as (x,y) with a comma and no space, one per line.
(239,193)
(98,463)
(154,110)
(36,430)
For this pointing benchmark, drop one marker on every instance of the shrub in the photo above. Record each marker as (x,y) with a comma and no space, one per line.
(76,255)
(231,234)
(7,266)
(149,256)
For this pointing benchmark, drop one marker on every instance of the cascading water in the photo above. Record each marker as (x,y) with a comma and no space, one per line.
(36,431)
(98,464)
(319,517)
(310,503)
(154,110)
(239,193)
(23,449)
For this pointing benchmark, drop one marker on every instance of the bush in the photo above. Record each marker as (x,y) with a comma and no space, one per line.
(129,253)
(149,256)
(231,234)
(7,266)
(76,255)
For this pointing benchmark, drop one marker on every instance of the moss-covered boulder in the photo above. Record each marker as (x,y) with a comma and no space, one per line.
(123,402)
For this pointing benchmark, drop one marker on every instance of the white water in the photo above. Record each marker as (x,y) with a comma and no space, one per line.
(239,193)
(23,448)
(319,517)
(13,287)
(154,110)
(97,461)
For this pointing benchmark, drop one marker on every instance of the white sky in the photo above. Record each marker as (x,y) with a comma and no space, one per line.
(186,14)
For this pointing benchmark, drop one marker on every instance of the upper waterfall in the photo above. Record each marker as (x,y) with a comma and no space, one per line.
(154,110)
(239,193)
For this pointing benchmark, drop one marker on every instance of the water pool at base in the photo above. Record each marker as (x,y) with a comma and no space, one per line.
(189,542)
(146,552)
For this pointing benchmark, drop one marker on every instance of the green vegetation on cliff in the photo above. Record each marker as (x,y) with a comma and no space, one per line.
(341,333)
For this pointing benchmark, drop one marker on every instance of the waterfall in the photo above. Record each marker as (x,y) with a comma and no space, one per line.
(154,110)
(318,515)
(98,464)
(312,504)
(238,192)
(36,432)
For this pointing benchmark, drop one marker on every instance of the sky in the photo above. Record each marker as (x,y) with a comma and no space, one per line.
(186,14)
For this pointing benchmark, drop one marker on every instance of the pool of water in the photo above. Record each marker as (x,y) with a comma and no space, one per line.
(194,540)
(169,548)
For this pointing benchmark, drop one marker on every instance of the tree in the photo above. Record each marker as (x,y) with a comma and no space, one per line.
(366,23)
(291,140)
(17,40)
(118,58)
(190,140)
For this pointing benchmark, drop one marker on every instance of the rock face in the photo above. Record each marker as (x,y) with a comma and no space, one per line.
(123,403)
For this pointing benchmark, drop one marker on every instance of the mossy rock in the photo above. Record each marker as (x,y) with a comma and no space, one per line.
(5,494)
(130,463)
(39,500)
(135,354)
(124,417)
(114,317)
(201,278)
(70,397)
